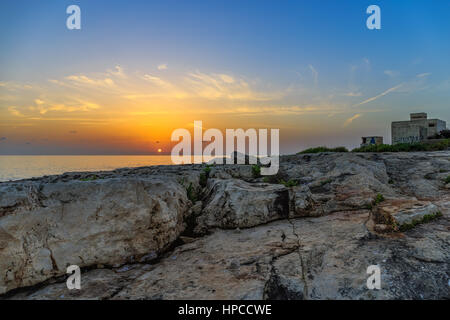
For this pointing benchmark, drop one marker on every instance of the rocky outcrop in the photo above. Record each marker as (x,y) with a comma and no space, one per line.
(235,203)
(46,227)
(191,232)
(399,214)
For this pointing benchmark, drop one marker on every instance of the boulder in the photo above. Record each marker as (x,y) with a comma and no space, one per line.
(46,227)
(234,203)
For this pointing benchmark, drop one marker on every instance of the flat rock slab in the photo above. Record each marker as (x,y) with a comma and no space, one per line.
(404,211)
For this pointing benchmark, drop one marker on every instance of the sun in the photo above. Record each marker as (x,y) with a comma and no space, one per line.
(159,150)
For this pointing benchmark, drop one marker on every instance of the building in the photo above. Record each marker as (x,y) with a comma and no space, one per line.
(367,141)
(418,128)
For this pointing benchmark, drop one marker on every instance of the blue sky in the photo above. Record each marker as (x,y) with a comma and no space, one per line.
(314,56)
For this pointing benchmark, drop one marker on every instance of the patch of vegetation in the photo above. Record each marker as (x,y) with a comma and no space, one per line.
(378,199)
(204,176)
(425,219)
(447,180)
(256,171)
(323,149)
(442,170)
(90,178)
(288,184)
(391,181)
(191,193)
(406,147)
(275,178)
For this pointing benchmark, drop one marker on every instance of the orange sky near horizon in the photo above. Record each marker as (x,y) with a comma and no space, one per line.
(121,112)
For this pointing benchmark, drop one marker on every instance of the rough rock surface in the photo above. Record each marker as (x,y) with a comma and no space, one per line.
(46,227)
(235,203)
(401,212)
(138,236)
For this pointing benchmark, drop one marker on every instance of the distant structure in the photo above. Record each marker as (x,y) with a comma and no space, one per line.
(368,141)
(418,128)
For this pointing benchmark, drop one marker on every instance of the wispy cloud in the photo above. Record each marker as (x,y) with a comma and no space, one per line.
(157,81)
(80,106)
(314,73)
(423,75)
(14,86)
(380,95)
(85,80)
(223,86)
(15,112)
(162,66)
(118,72)
(391,73)
(353,94)
(351,119)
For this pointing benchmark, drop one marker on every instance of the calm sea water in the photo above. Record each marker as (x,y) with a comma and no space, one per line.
(24,167)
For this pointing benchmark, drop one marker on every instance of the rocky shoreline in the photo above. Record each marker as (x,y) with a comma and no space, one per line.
(223,232)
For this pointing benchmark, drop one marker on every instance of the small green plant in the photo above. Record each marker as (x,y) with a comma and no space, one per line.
(191,193)
(256,171)
(425,219)
(378,198)
(391,181)
(447,180)
(266,179)
(327,181)
(289,184)
(204,176)
(442,170)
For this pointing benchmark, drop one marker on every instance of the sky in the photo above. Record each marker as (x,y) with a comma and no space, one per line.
(137,70)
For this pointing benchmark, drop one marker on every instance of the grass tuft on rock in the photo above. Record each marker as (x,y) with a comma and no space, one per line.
(378,199)
(191,193)
(289,183)
(425,219)
(256,171)
(204,176)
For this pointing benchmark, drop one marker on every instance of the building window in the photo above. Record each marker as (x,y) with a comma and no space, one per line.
(431,125)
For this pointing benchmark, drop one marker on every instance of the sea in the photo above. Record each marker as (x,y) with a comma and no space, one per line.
(25,167)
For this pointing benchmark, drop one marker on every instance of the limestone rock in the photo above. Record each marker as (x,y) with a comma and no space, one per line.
(46,227)
(235,203)
(400,212)
(308,258)
(313,240)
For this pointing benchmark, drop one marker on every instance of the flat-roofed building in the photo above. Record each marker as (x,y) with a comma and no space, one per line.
(417,129)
